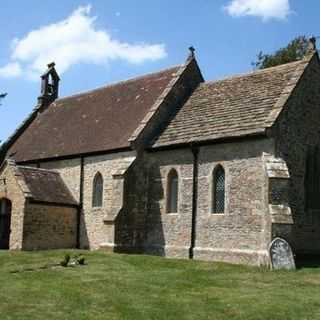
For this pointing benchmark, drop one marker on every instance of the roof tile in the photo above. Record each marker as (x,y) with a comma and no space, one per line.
(99,120)
(46,186)
(235,106)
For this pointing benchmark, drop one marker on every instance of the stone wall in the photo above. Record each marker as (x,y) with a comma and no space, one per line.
(49,227)
(11,190)
(131,219)
(296,130)
(134,215)
(240,233)
(97,224)
(169,234)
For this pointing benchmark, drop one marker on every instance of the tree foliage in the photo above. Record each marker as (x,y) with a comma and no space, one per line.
(294,51)
(2,96)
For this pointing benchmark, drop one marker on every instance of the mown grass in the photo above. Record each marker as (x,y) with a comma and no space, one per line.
(114,286)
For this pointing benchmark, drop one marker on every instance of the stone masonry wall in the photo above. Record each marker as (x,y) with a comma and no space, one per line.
(12,191)
(97,224)
(130,224)
(239,234)
(49,227)
(296,130)
(143,224)
(169,234)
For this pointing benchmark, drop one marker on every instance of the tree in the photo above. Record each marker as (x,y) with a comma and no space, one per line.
(2,96)
(294,51)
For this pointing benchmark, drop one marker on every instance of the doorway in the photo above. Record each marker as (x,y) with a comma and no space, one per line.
(5,223)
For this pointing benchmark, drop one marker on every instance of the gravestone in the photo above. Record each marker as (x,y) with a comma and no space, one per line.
(281,255)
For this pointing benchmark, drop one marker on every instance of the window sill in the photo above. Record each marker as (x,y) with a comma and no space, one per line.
(216,214)
(97,208)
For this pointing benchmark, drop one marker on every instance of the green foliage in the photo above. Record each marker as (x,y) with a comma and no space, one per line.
(2,96)
(116,287)
(65,261)
(78,259)
(294,51)
(68,261)
(81,260)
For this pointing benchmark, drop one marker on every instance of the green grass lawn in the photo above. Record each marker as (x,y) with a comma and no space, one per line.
(114,286)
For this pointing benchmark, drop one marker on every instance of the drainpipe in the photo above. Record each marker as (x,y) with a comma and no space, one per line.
(195,152)
(80,201)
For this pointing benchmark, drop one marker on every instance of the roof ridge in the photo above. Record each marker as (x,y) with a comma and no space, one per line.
(114,84)
(254,72)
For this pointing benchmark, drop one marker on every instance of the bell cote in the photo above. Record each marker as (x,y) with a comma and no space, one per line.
(49,85)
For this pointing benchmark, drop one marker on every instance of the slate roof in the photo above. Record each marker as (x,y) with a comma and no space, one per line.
(46,186)
(240,105)
(98,120)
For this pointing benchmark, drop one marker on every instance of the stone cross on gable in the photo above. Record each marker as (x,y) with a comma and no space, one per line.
(192,50)
(49,85)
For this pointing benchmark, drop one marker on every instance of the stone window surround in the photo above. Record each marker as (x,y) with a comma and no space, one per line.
(93,207)
(211,213)
(177,169)
(210,189)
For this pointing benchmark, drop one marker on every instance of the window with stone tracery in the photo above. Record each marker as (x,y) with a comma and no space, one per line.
(97,190)
(218,190)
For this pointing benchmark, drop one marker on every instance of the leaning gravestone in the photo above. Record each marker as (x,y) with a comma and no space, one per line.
(281,255)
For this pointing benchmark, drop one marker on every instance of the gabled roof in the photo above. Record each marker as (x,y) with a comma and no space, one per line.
(237,106)
(45,186)
(94,121)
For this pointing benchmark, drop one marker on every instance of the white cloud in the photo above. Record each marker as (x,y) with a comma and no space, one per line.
(12,69)
(265,9)
(72,41)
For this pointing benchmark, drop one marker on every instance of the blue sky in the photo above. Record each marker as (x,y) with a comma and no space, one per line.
(103,41)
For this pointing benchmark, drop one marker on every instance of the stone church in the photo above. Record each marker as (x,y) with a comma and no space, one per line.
(169,164)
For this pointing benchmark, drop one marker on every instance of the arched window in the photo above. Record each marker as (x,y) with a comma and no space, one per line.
(218,190)
(97,190)
(172,191)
